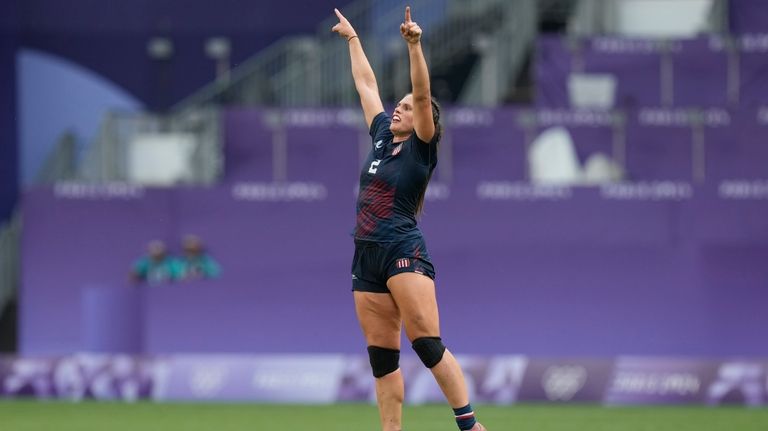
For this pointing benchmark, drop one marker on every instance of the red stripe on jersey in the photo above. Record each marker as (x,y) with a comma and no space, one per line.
(376,203)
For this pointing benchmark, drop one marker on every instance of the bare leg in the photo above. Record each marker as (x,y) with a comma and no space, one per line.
(451,380)
(415,296)
(380,321)
(389,397)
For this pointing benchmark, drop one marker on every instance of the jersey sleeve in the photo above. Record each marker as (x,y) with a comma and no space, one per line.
(380,127)
(425,152)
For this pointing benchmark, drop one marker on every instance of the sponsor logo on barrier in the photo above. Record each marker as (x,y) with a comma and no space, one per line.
(76,377)
(757,42)
(656,191)
(569,117)
(744,380)
(614,45)
(562,383)
(505,190)
(713,117)
(469,117)
(656,383)
(111,191)
(208,381)
(314,118)
(279,192)
(290,380)
(743,190)
(328,378)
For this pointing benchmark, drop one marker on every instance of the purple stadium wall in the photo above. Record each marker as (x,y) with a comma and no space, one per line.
(648,268)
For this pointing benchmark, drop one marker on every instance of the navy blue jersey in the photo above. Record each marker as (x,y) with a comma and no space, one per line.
(391,181)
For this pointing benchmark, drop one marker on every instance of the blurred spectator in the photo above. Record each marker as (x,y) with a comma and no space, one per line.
(157,266)
(196,262)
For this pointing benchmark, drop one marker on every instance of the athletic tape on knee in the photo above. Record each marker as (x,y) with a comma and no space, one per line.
(429,349)
(383,361)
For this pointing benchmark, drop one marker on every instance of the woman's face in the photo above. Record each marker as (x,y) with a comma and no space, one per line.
(402,118)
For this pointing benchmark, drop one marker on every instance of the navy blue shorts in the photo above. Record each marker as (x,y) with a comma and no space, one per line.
(375,262)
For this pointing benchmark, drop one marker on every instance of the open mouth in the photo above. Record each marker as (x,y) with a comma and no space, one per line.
(395,118)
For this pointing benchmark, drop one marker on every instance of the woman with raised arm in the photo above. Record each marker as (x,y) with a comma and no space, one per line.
(392,275)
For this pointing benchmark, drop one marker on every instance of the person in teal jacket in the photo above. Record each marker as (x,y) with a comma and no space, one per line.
(157,266)
(196,262)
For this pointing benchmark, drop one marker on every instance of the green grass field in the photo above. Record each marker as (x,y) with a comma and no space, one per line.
(62,416)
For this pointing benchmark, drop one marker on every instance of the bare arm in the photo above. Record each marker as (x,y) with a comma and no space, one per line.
(422,97)
(362,73)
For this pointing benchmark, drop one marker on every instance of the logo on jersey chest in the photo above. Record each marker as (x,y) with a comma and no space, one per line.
(397,149)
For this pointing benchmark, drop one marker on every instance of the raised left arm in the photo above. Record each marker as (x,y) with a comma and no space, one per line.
(423,124)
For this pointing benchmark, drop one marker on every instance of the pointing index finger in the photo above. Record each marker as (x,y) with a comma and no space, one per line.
(338,14)
(407,14)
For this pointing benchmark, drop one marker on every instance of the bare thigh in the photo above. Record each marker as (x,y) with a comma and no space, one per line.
(414,294)
(379,319)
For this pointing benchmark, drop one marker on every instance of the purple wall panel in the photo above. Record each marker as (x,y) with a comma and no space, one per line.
(476,145)
(75,243)
(297,311)
(731,273)
(248,148)
(604,293)
(331,157)
(112,319)
(257,238)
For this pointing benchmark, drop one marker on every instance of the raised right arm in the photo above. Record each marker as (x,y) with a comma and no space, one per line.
(362,73)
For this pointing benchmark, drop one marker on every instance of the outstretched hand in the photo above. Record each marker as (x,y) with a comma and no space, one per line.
(343,28)
(410,31)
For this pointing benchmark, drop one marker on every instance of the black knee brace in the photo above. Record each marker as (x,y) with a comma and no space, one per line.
(383,361)
(429,349)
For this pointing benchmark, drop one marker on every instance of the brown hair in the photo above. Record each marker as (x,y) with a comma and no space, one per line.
(438,135)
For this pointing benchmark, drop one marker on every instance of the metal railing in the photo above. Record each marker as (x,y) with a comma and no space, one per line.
(314,70)
(503,54)
(61,163)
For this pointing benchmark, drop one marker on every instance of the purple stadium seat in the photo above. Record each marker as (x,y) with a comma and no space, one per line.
(738,151)
(700,74)
(488,154)
(754,69)
(658,152)
(638,73)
